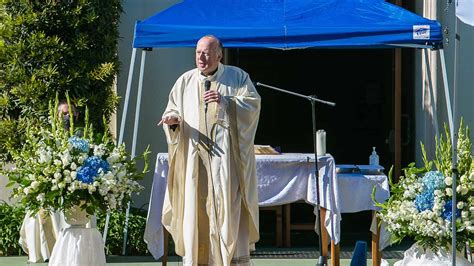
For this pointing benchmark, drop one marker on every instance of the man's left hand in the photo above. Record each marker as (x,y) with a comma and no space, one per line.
(212,96)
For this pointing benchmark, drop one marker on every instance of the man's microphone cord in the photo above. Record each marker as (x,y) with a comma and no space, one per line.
(221,239)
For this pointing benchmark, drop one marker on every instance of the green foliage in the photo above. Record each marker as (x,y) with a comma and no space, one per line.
(136,228)
(444,152)
(49,47)
(11,218)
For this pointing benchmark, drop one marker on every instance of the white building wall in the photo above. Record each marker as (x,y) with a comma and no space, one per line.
(162,68)
(430,104)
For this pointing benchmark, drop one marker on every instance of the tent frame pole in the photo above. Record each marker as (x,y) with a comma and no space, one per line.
(134,141)
(122,124)
(454,137)
(446,91)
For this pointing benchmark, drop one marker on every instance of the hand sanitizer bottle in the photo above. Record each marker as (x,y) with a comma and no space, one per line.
(374,158)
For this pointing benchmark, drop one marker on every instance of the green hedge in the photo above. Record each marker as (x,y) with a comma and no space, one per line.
(136,228)
(54,46)
(11,218)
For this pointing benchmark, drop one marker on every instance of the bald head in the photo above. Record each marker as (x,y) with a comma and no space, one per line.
(208,54)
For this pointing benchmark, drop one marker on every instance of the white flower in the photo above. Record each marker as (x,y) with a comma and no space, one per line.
(99,150)
(66,158)
(112,202)
(460,205)
(113,158)
(73,166)
(26,190)
(464,179)
(34,184)
(91,189)
(57,175)
(57,162)
(449,191)
(40,197)
(465,214)
(438,192)
(82,158)
(44,155)
(448,180)
(471,177)
(121,174)
(73,174)
(62,185)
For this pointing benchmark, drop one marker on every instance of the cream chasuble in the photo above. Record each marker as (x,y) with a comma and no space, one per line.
(211,204)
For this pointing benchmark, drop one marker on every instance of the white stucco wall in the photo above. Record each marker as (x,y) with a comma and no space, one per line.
(162,68)
(430,103)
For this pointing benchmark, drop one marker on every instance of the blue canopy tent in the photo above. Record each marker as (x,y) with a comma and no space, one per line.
(287,24)
(281,24)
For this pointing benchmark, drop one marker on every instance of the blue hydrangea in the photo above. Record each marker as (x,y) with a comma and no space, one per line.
(86,175)
(448,211)
(79,144)
(432,181)
(424,201)
(91,169)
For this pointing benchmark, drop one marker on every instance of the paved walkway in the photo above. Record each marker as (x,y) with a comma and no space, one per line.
(175,261)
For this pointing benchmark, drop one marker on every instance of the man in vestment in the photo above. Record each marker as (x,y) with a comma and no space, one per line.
(211,202)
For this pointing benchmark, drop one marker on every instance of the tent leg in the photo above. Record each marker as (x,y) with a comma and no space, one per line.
(398,111)
(454,140)
(442,58)
(134,142)
(122,124)
(127,95)
(454,137)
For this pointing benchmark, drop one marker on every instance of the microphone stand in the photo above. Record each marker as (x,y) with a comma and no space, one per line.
(312,98)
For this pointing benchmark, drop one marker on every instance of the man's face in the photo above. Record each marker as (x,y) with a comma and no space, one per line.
(207,57)
(63,109)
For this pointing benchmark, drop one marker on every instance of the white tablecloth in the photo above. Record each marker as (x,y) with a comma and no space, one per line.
(38,235)
(283,179)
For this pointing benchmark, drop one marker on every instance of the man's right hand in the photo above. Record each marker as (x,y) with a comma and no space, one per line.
(169,120)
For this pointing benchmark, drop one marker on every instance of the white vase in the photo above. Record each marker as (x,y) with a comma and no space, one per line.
(78,245)
(417,255)
(76,217)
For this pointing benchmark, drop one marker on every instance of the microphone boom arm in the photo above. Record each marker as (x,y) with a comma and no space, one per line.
(311,98)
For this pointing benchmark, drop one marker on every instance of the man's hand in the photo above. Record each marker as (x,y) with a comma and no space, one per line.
(169,120)
(212,96)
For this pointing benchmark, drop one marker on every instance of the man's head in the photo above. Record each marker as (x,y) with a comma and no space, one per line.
(208,54)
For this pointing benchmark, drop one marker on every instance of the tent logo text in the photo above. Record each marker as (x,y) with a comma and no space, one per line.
(421,32)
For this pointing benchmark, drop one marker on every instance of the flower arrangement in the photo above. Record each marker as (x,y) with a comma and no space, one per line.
(59,168)
(420,205)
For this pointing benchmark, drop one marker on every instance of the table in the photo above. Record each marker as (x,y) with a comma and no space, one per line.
(283,179)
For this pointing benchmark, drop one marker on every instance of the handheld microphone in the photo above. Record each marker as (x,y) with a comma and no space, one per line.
(207,86)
